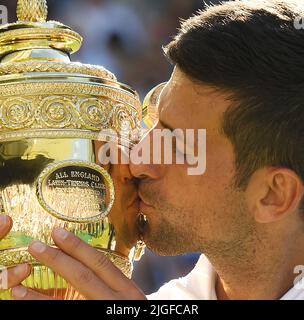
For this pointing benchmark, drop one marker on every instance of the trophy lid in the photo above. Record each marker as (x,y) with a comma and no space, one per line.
(44,94)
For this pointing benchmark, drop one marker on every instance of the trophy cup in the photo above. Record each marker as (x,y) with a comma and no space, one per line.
(52,113)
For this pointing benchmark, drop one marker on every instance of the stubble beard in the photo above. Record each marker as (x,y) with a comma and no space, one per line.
(173,232)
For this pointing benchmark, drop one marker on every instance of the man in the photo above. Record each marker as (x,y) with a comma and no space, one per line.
(239,74)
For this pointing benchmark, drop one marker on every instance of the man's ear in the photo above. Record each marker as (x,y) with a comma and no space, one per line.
(274,193)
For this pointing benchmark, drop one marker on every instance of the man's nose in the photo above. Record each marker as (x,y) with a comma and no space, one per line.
(141,160)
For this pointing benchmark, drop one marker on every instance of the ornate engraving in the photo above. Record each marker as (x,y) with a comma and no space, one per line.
(122,263)
(17,113)
(56,112)
(20,256)
(47,66)
(95,113)
(124,119)
(5,36)
(68,89)
(98,109)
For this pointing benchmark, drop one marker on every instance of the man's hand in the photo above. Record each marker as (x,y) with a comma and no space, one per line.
(92,274)
(19,273)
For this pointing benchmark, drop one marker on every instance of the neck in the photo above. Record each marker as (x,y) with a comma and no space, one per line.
(266,272)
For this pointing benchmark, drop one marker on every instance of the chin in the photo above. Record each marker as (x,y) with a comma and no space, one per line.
(161,247)
(165,251)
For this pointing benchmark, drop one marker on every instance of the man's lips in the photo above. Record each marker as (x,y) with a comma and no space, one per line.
(143,207)
(143,202)
(135,202)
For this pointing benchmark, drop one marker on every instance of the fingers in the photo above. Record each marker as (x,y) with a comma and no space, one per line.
(22,293)
(91,258)
(6,224)
(14,276)
(78,275)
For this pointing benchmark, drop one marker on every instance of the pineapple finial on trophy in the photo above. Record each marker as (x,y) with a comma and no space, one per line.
(32,10)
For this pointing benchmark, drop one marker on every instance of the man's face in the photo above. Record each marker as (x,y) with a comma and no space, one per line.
(197,213)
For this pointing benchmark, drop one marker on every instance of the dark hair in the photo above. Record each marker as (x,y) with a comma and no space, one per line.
(253,50)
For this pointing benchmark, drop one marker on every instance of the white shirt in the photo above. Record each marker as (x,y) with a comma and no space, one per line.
(199,284)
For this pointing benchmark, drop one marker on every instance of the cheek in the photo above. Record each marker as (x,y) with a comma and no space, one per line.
(220,165)
(180,190)
(178,184)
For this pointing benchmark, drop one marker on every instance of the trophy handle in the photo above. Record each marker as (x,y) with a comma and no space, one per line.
(150,105)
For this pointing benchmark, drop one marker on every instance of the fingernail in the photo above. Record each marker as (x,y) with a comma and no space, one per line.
(38,247)
(61,233)
(19,292)
(21,270)
(3,220)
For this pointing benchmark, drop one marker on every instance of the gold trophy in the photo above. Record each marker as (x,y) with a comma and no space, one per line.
(53,114)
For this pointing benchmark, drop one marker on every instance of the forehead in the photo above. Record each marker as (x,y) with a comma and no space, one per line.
(188,105)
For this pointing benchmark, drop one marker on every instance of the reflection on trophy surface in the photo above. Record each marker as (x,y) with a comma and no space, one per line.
(55,116)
